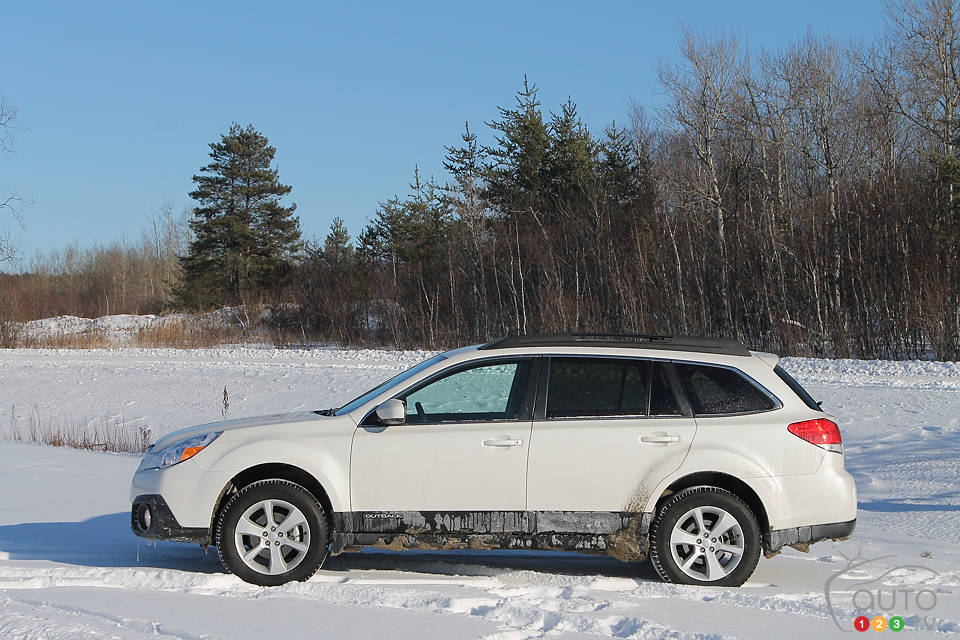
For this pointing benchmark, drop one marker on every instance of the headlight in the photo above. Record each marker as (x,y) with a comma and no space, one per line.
(179,451)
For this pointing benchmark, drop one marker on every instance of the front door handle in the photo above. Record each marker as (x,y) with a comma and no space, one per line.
(502,443)
(660,438)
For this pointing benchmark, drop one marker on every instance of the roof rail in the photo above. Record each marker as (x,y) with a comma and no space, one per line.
(702,344)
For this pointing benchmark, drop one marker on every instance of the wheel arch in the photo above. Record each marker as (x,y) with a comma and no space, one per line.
(725,481)
(274,471)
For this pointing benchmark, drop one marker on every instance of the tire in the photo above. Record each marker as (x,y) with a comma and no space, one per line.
(681,554)
(288,549)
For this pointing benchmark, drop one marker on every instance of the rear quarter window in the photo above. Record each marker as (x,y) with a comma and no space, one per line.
(718,391)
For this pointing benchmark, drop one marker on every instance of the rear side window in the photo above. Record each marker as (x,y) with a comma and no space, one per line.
(718,390)
(797,389)
(585,387)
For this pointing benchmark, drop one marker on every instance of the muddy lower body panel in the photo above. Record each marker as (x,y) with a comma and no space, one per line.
(622,535)
(800,538)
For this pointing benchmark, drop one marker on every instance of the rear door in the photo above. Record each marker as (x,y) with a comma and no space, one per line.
(606,432)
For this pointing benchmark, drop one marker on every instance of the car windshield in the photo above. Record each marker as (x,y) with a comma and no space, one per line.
(383,386)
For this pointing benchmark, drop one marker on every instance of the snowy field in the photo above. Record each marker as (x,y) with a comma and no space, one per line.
(70,568)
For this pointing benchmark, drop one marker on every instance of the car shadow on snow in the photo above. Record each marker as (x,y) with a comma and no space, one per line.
(894,505)
(106,541)
(489,563)
(103,541)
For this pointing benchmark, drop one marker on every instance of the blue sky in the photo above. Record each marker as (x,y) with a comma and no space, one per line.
(117,102)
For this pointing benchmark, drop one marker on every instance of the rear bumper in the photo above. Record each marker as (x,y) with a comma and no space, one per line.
(802,537)
(150,517)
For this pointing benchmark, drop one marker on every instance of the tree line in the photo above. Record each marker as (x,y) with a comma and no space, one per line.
(802,199)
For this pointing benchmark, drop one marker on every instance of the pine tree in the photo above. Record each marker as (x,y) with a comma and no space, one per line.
(517,169)
(337,248)
(245,239)
(572,158)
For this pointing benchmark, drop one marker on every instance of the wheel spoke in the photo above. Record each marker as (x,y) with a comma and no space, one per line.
(277,564)
(729,548)
(299,546)
(690,560)
(268,512)
(248,527)
(253,553)
(294,519)
(679,536)
(715,570)
(698,517)
(724,524)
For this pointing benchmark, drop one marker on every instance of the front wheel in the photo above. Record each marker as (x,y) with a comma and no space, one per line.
(705,536)
(272,532)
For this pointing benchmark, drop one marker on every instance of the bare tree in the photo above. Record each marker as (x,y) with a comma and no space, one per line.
(9,201)
(702,93)
(924,39)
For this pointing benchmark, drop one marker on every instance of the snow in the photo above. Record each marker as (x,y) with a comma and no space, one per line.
(121,329)
(70,568)
(71,325)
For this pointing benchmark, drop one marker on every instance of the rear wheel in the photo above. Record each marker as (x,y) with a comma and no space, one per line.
(705,536)
(272,532)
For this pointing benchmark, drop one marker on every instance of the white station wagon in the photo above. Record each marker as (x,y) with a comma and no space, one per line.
(693,452)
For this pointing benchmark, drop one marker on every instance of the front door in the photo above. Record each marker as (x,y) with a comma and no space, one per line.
(463,447)
(611,430)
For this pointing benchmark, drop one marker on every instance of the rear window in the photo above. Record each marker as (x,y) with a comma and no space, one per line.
(718,390)
(797,389)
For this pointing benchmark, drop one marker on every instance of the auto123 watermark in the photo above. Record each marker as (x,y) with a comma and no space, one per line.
(871,593)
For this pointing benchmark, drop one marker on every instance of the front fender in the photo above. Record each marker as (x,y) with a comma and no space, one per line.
(329,465)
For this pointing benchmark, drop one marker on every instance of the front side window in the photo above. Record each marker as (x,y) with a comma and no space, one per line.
(718,390)
(481,393)
(398,379)
(585,387)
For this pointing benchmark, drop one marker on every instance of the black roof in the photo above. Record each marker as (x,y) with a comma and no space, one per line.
(700,344)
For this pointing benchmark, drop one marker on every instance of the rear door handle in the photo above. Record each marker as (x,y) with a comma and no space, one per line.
(502,443)
(661,439)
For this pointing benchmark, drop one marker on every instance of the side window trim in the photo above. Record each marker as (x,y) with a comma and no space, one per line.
(534,382)
(685,407)
(543,383)
(649,385)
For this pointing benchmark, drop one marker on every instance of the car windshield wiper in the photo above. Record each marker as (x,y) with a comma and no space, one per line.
(325,412)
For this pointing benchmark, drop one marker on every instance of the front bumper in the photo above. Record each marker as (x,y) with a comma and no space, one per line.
(150,517)
(802,537)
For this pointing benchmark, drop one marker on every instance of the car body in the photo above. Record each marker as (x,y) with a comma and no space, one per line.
(585,442)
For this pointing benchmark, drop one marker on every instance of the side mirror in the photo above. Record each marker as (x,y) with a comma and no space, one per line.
(392,412)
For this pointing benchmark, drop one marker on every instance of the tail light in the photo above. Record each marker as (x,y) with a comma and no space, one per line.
(821,432)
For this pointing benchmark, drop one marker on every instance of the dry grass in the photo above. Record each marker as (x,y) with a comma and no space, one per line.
(185,334)
(85,340)
(105,433)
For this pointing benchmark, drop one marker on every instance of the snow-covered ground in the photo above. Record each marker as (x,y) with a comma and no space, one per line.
(70,568)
